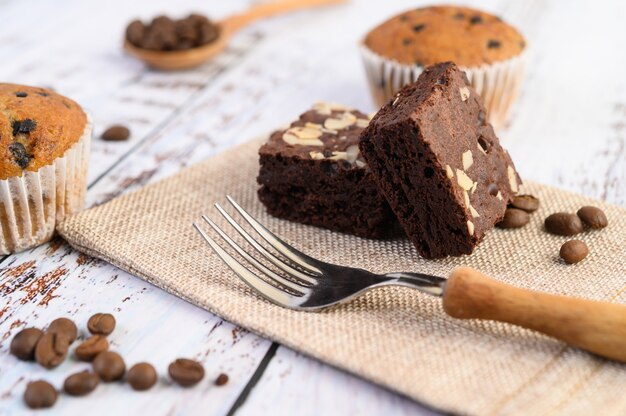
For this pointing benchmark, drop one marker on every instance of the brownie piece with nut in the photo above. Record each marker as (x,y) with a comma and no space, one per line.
(439,163)
(313,173)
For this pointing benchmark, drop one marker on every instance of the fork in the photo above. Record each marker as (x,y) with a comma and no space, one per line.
(308,284)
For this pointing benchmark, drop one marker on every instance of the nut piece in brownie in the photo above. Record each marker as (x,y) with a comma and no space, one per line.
(313,173)
(439,164)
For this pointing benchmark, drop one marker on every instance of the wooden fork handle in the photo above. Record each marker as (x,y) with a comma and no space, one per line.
(260,11)
(598,327)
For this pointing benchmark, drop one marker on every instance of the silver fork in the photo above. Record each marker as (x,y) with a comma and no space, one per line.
(308,284)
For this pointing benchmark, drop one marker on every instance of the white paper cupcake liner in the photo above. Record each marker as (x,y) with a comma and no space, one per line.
(32,204)
(498,84)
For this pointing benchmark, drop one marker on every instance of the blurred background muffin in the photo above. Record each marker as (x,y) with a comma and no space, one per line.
(44,152)
(490,51)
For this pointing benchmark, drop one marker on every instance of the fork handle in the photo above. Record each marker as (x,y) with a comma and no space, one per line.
(598,327)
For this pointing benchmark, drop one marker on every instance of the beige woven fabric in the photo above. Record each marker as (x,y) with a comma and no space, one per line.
(395,337)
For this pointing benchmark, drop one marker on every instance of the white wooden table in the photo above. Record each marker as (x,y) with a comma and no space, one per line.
(569,130)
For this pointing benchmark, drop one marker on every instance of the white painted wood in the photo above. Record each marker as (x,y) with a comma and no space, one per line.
(568,130)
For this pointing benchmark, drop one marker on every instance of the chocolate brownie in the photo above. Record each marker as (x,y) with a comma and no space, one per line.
(313,173)
(439,164)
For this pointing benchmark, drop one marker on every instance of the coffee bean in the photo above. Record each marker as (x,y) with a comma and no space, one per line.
(66,326)
(514,218)
(116,133)
(593,217)
(91,347)
(142,376)
(221,379)
(109,366)
(80,384)
(52,349)
(24,343)
(573,251)
(40,394)
(186,372)
(135,31)
(101,324)
(563,223)
(526,202)
(476,19)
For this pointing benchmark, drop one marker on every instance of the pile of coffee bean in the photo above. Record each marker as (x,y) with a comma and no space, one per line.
(568,224)
(49,348)
(166,34)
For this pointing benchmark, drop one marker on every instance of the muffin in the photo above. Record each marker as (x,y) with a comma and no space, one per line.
(44,149)
(490,51)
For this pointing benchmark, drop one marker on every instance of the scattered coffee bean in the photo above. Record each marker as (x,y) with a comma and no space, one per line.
(116,133)
(221,379)
(91,347)
(80,384)
(65,326)
(573,251)
(527,203)
(142,376)
(186,372)
(563,223)
(52,349)
(101,324)
(109,366)
(514,218)
(24,343)
(593,217)
(40,394)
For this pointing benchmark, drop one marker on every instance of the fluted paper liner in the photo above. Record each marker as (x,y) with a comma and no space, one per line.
(498,84)
(394,336)
(32,204)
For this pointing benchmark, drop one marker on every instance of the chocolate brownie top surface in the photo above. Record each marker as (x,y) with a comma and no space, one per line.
(326,132)
(435,34)
(449,120)
(36,126)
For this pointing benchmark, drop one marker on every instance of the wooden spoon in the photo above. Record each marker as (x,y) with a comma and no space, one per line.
(172,60)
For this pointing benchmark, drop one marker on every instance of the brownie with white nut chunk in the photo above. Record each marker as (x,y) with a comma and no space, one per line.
(313,173)
(439,163)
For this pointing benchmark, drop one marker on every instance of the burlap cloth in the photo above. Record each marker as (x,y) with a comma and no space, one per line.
(396,337)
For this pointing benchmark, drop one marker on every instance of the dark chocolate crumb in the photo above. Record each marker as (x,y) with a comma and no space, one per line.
(404,18)
(493,44)
(459,16)
(21,94)
(25,126)
(419,28)
(407,41)
(22,158)
(43,94)
(476,19)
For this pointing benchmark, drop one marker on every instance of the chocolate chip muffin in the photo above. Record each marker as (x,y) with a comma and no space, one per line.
(44,145)
(489,50)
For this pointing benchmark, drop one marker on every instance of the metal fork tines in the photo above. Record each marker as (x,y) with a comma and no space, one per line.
(297,280)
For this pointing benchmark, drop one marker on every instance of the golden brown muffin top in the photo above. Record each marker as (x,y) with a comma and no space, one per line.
(36,126)
(435,34)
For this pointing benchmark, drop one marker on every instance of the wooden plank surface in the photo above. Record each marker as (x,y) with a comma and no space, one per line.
(569,130)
